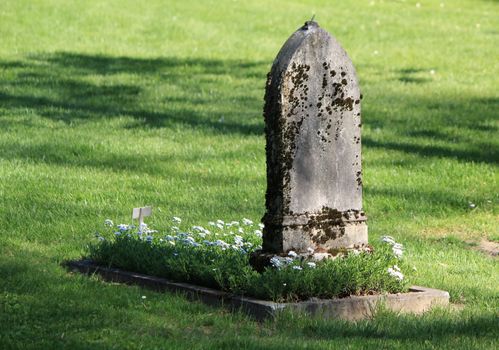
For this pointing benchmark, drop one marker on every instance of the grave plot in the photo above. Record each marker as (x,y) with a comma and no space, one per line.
(315,253)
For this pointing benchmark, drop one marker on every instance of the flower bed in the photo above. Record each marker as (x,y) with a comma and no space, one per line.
(218,257)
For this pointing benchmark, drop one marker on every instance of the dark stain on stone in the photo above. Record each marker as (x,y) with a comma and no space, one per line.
(359,178)
(343,104)
(279,153)
(329,224)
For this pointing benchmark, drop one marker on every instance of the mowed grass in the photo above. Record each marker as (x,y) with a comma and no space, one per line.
(105,106)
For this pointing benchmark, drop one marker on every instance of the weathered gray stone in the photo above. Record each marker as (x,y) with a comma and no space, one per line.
(312,125)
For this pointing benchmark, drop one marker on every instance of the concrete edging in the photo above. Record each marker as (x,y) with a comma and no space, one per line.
(417,300)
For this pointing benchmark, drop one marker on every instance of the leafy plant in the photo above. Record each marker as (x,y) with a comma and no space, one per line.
(219,258)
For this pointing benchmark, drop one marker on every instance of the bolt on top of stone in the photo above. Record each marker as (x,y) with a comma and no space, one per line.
(310,25)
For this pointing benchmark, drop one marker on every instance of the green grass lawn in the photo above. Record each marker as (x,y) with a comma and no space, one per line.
(109,105)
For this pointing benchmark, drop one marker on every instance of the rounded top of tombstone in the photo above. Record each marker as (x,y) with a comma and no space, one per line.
(310,25)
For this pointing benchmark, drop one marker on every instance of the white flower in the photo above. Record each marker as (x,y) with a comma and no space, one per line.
(395,272)
(198,228)
(310,250)
(108,222)
(189,240)
(247,222)
(292,254)
(397,252)
(142,228)
(388,239)
(238,240)
(144,297)
(240,230)
(221,244)
(258,233)
(234,223)
(220,226)
(175,228)
(211,223)
(220,222)
(123,227)
(261,226)
(312,265)
(398,246)
(288,260)
(177,220)
(276,262)
(297,267)
(169,238)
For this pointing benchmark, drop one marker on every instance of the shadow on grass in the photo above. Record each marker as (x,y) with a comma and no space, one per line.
(158,92)
(409,75)
(226,96)
(482,152)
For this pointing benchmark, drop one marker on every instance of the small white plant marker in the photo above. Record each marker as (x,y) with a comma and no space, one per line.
(140,213)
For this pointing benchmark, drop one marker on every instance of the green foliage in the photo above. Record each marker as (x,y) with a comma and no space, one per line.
(223,263)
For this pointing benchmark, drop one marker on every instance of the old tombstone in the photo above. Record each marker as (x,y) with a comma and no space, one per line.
(312,126)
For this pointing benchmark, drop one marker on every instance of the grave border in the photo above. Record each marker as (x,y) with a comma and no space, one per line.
(416,301)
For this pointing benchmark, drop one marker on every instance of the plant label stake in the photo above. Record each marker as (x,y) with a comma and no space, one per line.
(140,213)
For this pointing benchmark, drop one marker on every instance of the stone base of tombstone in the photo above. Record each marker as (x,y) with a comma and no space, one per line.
(327,230)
